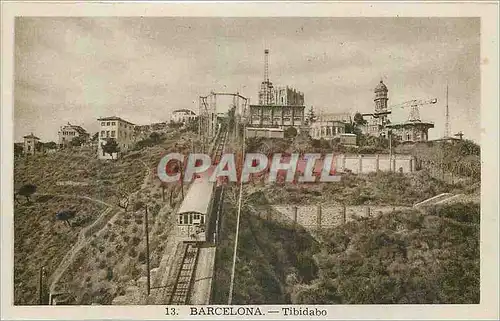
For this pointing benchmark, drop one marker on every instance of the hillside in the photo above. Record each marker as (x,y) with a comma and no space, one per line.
(382,188)
(403,257)
(40,240)
(271,255)
(63,180)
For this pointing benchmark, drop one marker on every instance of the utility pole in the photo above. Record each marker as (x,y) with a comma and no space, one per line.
(146,225)
(231,285)
(40,286)
(447,121)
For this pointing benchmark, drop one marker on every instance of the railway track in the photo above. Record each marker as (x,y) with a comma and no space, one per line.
(185,275)
(180,291)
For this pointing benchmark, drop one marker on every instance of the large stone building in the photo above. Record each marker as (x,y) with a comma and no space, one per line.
(284,108)
(117,129)
(276,116)
(68,132)
(278,107)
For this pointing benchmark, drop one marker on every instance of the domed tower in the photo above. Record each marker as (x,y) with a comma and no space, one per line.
(381,97)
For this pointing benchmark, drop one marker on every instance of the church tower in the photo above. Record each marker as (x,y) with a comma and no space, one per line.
(381,97)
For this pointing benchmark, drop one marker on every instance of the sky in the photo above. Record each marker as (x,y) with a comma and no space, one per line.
(70,69)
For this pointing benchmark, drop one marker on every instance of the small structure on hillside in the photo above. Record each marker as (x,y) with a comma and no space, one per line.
(32,145)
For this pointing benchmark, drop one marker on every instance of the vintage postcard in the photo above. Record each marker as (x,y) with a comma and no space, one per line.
(278,160)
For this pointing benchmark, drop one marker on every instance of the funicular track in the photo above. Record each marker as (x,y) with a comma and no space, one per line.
(180,291)
(185,275)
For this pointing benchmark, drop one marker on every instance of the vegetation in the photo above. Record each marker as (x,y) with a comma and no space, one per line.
(290,132)
(110,147)
(311,116)
(398,258)
(272,256)
(26,191)
(39,242)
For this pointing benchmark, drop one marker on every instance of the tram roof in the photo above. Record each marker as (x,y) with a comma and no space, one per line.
(198,196)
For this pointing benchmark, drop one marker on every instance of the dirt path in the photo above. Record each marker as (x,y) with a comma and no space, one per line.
(84,240)
(75,196)
(71,254)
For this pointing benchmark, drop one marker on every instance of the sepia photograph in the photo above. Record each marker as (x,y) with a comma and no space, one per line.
(209,161)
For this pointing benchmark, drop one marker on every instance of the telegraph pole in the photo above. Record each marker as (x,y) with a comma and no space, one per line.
(147,248)
(231,285)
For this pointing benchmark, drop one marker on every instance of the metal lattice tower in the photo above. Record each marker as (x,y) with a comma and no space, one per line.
(447,120)
(266,65)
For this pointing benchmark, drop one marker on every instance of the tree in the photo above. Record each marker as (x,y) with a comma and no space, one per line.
(18,149)
(110,147)
(26,191)
(290,132)
(65,215)
(155,137)
(311,116)
(95,137)
(50,145)
(77,141)
(359,120)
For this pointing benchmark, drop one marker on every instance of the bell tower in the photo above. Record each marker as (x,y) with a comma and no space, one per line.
(380,97)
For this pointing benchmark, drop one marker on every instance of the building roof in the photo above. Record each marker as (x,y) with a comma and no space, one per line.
(115,118)
(183,110)
(79,129)
(380,87)
(31,136)
(279,106)
(411,124)
(198,196)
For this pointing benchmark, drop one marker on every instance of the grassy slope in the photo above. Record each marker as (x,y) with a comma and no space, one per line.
(404,257)
(269,254)
(53,241)
(39,240)
(381,188)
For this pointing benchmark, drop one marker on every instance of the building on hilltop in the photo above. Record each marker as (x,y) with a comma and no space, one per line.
(182,115)
(279,107)
(327,129)
(411,131)
(117,129)
(376,122)
(32,145)
(69,132)
(345,118)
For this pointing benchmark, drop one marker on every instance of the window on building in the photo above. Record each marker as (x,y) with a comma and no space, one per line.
(113,123)
(102,133)
(103,124)
(113,133)
(107,133)
(107,124)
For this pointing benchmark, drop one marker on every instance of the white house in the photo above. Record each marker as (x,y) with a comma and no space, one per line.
(118,129)
(68,132)
(182,115)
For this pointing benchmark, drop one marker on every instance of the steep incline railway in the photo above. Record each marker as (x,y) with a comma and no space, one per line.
(198,219)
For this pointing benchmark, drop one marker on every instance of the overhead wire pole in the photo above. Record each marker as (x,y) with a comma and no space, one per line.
(231,285)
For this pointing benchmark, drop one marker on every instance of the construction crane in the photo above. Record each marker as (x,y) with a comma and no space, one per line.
(415,106)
